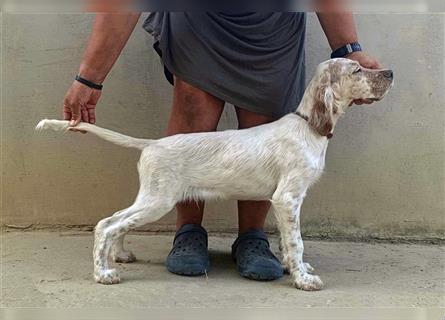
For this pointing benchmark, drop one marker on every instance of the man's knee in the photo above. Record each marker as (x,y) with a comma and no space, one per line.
(192,99)
(248,119)
(193,106)
(194,109)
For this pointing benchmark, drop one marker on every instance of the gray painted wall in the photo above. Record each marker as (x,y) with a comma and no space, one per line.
(385,167)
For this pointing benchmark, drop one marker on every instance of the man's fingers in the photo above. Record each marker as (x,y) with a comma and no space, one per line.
(85,117)
(74,121)
(66,112)
(79,104)
(75,117)
(66,115)
(378,65)
(91,114)
(373,64)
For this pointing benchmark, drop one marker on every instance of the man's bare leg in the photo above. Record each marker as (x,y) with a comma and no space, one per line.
(194,110)
(251,249)
(251,214)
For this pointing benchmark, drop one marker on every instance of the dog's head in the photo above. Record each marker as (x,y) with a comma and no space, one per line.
(337,83)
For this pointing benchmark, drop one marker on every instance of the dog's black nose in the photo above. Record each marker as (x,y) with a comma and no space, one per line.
(388,74)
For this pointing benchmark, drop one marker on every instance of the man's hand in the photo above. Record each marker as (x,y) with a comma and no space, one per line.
(367,62)
(80,103)
(108,37)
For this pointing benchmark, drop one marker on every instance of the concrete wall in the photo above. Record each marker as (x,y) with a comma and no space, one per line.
(385,167)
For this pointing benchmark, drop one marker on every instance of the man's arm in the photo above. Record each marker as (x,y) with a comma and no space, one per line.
(109,35)
(339,28)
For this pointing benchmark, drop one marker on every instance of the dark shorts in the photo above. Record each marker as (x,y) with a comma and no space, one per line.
(254,60)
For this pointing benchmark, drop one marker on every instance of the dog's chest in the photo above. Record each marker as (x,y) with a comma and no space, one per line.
(316,168)
(307,163)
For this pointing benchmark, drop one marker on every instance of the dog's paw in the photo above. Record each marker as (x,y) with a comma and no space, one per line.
(309,268)
(109,276)
(124,257)
(308,282)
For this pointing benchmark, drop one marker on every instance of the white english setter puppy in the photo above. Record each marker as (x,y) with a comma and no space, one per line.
(278,161)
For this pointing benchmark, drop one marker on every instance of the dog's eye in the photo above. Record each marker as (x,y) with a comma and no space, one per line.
(357,71)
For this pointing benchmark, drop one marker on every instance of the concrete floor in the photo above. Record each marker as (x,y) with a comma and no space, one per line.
(53,269)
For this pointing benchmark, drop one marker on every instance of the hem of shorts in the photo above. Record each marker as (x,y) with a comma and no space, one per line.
(215,92)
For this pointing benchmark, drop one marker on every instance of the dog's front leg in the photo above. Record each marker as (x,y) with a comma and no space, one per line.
(286,262)
(287,210)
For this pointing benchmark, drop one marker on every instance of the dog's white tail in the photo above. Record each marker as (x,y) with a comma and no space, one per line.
(114,137)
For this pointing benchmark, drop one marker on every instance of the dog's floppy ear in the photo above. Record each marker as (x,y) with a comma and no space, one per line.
(321,116)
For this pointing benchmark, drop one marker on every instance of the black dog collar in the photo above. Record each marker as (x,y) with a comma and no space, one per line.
(306,118)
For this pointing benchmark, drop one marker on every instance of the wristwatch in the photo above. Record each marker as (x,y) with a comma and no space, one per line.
(346,49)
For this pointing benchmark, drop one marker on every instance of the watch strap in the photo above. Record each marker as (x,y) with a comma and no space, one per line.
(345,50)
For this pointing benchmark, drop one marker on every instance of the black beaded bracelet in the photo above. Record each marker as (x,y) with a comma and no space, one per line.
(88,83)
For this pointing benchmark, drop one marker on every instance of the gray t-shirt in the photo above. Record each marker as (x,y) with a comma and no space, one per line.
(252,60)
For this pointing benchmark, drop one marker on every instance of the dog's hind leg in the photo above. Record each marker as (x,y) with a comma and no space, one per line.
(112,229)
(119,254)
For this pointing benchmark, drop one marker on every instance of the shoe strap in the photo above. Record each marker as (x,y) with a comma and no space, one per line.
(254,234)
(191,228)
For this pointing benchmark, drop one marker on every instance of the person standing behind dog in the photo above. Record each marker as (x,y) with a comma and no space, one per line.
(254,61)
